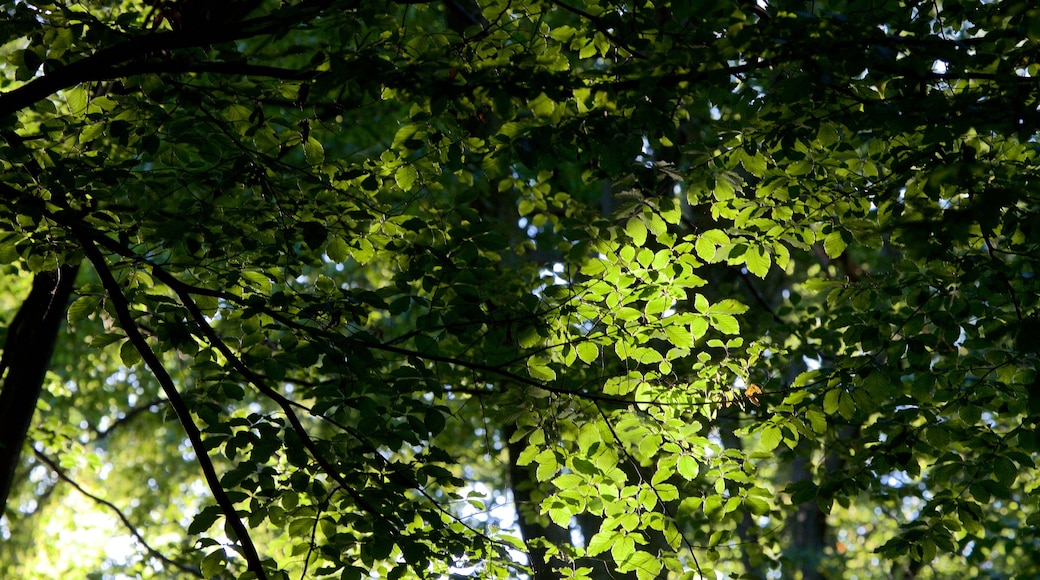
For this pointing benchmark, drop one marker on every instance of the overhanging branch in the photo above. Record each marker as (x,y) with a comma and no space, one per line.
(103,64)
(129,326)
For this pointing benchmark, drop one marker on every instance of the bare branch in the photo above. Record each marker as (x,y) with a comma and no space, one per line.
(62,475)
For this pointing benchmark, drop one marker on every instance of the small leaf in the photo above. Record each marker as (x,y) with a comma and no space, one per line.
(706,249)
(601,542)
(214,563)
(587,352)
(337,249)
(688,467)
(102,340)
(834,245)
(560,516)
(204,520)
(725,324)
(830,401)
(364,252)
(723,189)
(1004,469)
(771,437)
(756,505)
(622,549)
(539,370)
(713,506)
(636,230)
(405,177)
(679,336)
(757,262)
(313,151)
(83,307)
(128,354)
(817,420)
(846,405)
(698,327)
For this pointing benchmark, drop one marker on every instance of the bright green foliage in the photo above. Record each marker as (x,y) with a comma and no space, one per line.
(676,276)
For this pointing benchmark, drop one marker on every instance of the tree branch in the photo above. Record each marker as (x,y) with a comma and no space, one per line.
(103,64)
(127,417)
(119,514)
(127,324)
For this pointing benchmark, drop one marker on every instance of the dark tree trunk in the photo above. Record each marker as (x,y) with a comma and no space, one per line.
(808,529)
(23,366)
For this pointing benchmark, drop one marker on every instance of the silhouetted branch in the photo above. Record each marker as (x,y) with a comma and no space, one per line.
(129,326)
(119,514)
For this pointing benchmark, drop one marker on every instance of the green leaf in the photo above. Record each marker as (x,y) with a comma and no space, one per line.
(830,401)
(128,354)
(560,516)
(636,230)
(105,339)
(834,245)
(725,324)
(756,505)
(601,542)
(1004,470)
(548,466)
(313,151)
(817,420)
(83,307)
(588,352)
(405,176)
(687,467)
(757,261)
(723,190)
(846,405)
(568,481)
(214,564)
(698,328)
(647,566)
(713,506)
(679,336)
(337,249)
(204,520)
(364,252)
(770,437)
(622,548)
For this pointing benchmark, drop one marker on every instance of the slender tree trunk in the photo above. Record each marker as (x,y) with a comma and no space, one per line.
(23,366)
(808,529)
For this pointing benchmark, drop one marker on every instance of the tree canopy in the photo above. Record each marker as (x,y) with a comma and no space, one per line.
(519,288)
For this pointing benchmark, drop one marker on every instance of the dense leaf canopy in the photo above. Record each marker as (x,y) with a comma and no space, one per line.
(519,288)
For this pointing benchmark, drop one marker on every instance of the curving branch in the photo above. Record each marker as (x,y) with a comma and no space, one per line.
(62,475)
(126,57)
(185,293)
(126,322)
(127,417)
(184,289)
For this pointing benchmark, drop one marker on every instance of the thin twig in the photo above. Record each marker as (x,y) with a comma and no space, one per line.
(119,514)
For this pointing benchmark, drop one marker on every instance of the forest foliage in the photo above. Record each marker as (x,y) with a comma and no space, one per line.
(519,288)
